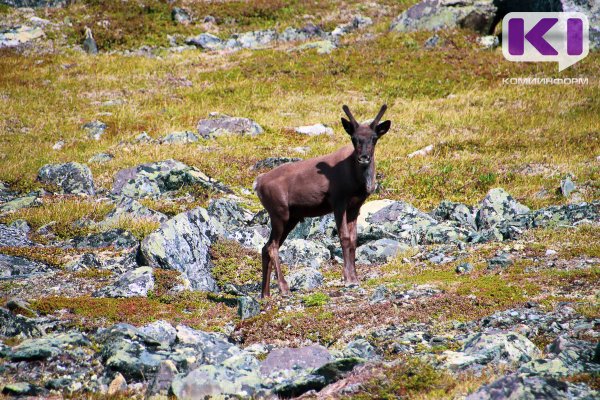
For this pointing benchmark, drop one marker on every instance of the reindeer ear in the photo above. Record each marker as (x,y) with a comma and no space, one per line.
(348,126)
(383,127)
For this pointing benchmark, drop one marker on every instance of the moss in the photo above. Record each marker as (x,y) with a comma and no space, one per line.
(55,256)
(164,281)
(234,264)
(92,274)
(316,299)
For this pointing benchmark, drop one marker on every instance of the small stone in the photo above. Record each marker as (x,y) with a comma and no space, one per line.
(305,279)
(181,16)
(567,186)
(95,129)
(360,348)
(21,389)
(248,307)
(206,41)
(118,384)
(69,178)
(220,125)
(550,252)
(464,268)
(380,294)
(89,44)
(183,137)
(143,138)
(422,152)
(101,158)
(314,130)
(488,42)
(500,261)
(58,145)
(274,162)
(321,46)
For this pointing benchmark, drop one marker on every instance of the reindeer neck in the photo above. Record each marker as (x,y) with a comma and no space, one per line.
(366,176)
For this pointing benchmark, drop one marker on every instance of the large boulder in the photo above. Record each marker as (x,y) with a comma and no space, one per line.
(219,125)
(153,179)
(565,356)
(12,267)
(115,238)
(182,244)
(135,283)
(431,15)
(399,221)
(69,178)
(313,356)
(18,325)
(305,279)
(13,236)
(301,252)
(127,208)
(379,251)
(498,206)
(228,215)
(251,40)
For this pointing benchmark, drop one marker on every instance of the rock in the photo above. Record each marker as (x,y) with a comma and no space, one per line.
(161,331)
(17,325)
(58,145)
(89,44)
(566,215)
(20,306)
(153,179)
(85,262)
(380,294)
(19,203)
(357,22)
(488,42)
(301,252)
(498,206)
(422,152)
(431,15)
(379,251)
(163,379)
(179,138)
(228,215)
(567,186)
(182,244)
(237,377)
(253,237)
(445,233)
(143,138)
(484,348)
(12,267)
(314,130)
(128,208)
(320,229)
(95,129)
(118,384)
(305,279)
(251,40)
(313,356)
(134,283)
(220,125)
(114,238)
(22,389)
(516,387)
(399,221)
(47,346)
(430,43)
(101,158)
(206,41)
(462,214)
(501,261)
(321,46)
(181,16)
(247,307)
(273,162)
(69,178)
(464,268)
(19,35)
(34,3)
(360,348)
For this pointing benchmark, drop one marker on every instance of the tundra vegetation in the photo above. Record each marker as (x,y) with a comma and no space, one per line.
(414,319)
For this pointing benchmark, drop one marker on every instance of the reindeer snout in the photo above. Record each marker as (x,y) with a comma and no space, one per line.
(364,159)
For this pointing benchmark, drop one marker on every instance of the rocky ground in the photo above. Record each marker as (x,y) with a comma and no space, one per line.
(129,261)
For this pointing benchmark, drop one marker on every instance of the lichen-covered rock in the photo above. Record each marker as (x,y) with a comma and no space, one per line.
(464,268)
(128,208)
(219,125)
(248,307)
(161,384)
(380,295)
(253,237)
(496,207)
(206,41)
(34,3)
(181,16)
(379,251)
(357,22)
(360,348)
(13,267)
(228,215)
(519,387)
(101,158)
(153,179)
(13,236)
(161,331)
(484,348)
(135,283)
(18,325)
(19,203)
(288,358)
(455,212)
(19,35)
(501,261)
(321,46)
(566,215)
(321,229)
(48,346)
(69,178)
(182,244)
(301,252)
(116,238)
(20,389)
(273,162)
(182,137)
(478,15)
(251,40)
(444,233)
(95,129)
(399,221)
(314,130)
(305,279)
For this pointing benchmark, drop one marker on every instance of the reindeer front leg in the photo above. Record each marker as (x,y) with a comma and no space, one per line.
(347,233)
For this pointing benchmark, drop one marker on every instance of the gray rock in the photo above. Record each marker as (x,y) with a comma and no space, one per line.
(380,294)
(228,215)
(309,357)
(488,41)
(115,238)
(34,3)
(566,215)
(399,221)
(48,346)
(85,262)
(247,307)
(321,229)
(360,348)
(134,283)
(161,331)
(444,233)
(321,46)
(19,389)
(379,251)
(253,237)
(69,178)
(89,43)
(496,207)
(432,42)
(464,268)
(19,203)
(301,252)
(305,279)
(17,325)
(167,371)
(206,41)
(153,179)
(128,208)
(143,138)
(478,15)
(273,162)
(567,186)
(101,158)
(182,137)
(19,35)
(181,16)
(12,267)
(220,125)
(251,40)
(456,212)
(314,130)
(182,244)
(484,348)
(95,129)
(521,387)
(500,261)
(357,22)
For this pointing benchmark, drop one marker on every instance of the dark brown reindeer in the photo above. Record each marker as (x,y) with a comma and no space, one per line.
(338,182)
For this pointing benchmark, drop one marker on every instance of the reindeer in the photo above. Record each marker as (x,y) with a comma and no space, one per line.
(338,182)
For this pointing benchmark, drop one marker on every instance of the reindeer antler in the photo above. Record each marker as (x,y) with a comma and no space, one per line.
(350,116)
(378,117)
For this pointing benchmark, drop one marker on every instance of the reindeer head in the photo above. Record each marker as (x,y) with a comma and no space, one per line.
(364,137)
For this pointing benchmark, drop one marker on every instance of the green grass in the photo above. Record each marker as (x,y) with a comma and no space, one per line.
(315,299)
